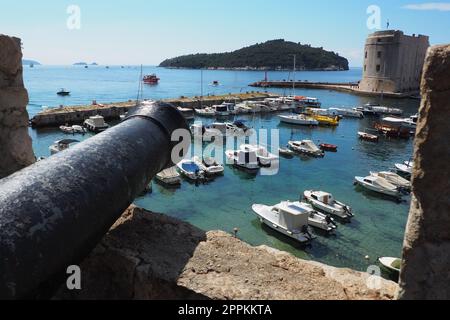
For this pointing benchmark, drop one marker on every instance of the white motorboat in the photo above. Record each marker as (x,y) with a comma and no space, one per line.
(379,185)
(300,120)
(325,202)
(316,219)
(169,177)
(79,129)
(221,130)
(206,112)
(306,147)
(393,178)
(221,110)
(67,129)
(376,109)
(400,122)
(286,218)
(345,113)
(265,158)
(96,124)
(190,169)
(209,166)
(286,152)
(62,145)
(242,108)
(393,264)
(405,168)
(246,160)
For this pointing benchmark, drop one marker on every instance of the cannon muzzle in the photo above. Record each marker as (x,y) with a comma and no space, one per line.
(53,213)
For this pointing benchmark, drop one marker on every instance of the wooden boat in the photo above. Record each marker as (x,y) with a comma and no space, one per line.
(393,131)
(328,147)
(151,79)
(368,137)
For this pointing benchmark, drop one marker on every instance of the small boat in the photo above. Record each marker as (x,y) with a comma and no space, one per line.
(393,264)
(243,159)
(187,113)
(393,130)
(306,147)
(316,219)
(308,102)
(62,145)
(221,110)
(286,218)
(151,79)
(209,166)
(394,179)
(328,147)
(205,112)
(400,122)
(286,152)
(219,130)
(215,83)
(325,202)
(63,93)
(345,113)
(379,185)
(96,124)
(375,109)
(326,121)
(368,137)
(169,177)
(300,120)
(265,158)
(191,170)
(405,168)
(67,129)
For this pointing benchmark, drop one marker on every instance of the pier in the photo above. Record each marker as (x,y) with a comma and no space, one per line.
(112,111)
(349,87)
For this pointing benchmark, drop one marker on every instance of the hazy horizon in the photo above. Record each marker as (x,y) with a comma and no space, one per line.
(148,32)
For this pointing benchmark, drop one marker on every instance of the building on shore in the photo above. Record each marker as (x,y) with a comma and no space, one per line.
(393,62)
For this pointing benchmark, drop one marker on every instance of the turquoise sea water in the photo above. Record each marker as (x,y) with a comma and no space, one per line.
(379,223)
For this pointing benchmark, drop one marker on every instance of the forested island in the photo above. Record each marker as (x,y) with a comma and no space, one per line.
(271,55)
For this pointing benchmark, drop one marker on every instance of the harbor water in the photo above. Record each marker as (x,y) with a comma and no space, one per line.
(378,227)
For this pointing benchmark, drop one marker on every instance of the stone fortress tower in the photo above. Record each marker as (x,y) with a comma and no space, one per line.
(393,62)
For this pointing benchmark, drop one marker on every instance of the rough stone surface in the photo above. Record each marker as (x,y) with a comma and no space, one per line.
(426,266)
(15,143)
(152,256)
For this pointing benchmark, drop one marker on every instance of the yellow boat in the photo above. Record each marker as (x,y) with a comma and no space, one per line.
(326,121)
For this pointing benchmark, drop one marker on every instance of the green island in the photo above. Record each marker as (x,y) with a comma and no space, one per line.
(271,55)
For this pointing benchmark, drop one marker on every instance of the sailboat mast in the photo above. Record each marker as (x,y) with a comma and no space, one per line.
(295,67)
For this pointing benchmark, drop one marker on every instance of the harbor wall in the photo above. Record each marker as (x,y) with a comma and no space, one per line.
(151,256)
(425,273)
(15,144)
(113,111)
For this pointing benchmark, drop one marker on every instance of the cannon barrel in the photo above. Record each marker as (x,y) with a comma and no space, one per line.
(53,213)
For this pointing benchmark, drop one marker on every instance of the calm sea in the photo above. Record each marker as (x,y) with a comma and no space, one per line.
(378,227)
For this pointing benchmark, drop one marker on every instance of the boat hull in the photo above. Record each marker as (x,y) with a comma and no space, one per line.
(391,193)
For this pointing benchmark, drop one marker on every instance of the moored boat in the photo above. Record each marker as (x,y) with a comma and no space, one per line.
(325,202)
(306,147)
(169,177)
(209,166)
(243,159)
(404,168)
(393,264)
(300,120)
(96,124)
(286,152)
(205,112)
(394,179)
(346,113)
(265,158)
(285,218)
(62,145)
(368,137)
(190,170)
(379,185)
(328,147)
(326,121)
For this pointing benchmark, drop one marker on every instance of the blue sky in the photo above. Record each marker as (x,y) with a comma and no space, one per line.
(148,31)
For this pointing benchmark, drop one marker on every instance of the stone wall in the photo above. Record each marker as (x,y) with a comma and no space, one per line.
(15,143)
(426,266)
(152,256)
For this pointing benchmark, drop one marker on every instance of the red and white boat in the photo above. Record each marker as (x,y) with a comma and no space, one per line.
(151,79)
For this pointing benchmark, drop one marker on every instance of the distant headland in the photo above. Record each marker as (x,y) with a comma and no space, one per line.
(26,62)
(271,55)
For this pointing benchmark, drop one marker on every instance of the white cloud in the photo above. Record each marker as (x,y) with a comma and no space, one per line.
(429,6)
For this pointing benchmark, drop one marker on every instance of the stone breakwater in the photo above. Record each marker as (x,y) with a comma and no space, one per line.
(15,143)
(152,256)
(113,111)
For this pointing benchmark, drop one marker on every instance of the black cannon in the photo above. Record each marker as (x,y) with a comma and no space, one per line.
(53,213)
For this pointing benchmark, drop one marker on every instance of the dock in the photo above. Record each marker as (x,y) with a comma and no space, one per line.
(349,87)
(112,111)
